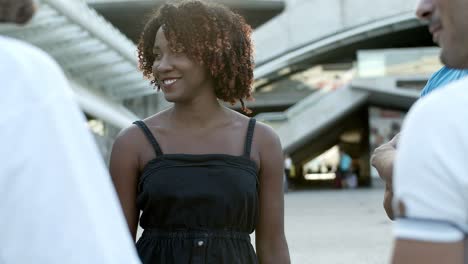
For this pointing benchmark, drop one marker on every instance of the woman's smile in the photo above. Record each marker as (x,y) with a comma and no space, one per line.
(167,84)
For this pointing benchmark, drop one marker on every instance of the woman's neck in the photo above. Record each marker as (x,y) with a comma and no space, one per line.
(198,113)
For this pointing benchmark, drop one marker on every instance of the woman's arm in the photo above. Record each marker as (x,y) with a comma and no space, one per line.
(270,239)
(124,168)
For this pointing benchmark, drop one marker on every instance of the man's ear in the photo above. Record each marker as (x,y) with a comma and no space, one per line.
(16,11)
(25,12)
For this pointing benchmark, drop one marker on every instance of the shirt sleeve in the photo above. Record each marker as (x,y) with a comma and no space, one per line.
(427,230)
(58,204)
(430,182)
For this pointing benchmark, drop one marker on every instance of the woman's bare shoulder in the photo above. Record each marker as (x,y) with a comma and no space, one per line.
(127,139)
(132,137)
(266,134)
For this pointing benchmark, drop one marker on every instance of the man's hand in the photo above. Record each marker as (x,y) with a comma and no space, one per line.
(382,160)
(383,157)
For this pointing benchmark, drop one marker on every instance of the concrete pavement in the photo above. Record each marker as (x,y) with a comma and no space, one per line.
(337,227)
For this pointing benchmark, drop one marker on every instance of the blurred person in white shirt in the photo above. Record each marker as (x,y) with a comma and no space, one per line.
(57,202)
(431,169)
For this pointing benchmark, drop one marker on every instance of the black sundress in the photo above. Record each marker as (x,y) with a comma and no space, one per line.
(198,208)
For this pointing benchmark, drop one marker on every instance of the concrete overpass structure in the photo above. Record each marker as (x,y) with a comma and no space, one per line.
(293,41)
(321,110)
(307,22)
(129,15)
(101,60)
(324,119)
(98,59)
(314,32)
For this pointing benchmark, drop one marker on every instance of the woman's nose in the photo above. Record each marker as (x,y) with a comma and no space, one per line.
(162,65)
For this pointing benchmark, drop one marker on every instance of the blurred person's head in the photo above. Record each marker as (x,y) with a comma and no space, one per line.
(195,46)
(448,24)
(16,11)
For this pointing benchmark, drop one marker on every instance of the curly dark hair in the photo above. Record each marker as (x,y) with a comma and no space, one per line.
(207,33)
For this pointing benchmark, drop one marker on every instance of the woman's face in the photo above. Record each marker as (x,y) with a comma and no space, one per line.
(180,78)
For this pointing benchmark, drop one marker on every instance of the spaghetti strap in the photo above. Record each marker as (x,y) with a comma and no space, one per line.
(149,136)
(249,137)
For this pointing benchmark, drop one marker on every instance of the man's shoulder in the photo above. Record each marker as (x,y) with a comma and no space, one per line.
(439,118)
(21,56)
(30,76)
(444,103)
(450,97)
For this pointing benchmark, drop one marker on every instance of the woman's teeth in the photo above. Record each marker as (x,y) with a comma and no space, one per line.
(169,81)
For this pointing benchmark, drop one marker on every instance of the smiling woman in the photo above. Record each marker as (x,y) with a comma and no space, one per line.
(209,35)
(205,176)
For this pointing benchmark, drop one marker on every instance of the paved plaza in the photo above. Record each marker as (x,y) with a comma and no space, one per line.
(337,227)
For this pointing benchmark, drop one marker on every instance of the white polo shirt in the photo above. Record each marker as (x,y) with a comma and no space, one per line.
(57,202)
(431,168)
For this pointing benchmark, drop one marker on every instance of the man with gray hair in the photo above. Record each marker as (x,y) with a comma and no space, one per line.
(57,202)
